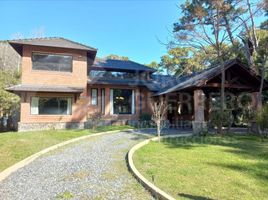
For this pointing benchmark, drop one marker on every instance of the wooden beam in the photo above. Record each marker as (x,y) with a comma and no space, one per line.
(228,85)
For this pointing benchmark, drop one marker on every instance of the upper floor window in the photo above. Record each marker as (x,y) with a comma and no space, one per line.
(112,74)
(52,62)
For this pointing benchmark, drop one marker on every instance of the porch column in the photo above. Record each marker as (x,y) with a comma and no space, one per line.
(254,100)
(199,116)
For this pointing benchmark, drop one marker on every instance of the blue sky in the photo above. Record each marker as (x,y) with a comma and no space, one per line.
(127,28)
(130,28)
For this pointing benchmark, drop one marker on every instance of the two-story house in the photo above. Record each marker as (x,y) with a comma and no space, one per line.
(63,83)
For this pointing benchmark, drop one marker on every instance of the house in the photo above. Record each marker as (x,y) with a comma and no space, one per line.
(63,84)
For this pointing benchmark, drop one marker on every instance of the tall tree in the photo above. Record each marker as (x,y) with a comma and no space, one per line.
(202,25)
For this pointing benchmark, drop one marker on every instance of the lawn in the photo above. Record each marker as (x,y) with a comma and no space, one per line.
(231,167)
(16,146)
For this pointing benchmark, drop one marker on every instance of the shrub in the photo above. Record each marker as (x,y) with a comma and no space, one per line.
(95,119)
(216,119)
(145,117)
(262,118)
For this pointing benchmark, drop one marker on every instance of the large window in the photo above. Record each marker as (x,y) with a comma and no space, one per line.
(50,62)
(122,101)
(112,74)
(51,106)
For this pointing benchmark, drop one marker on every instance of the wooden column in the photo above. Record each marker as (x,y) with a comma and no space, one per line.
(199,98)
(199,116)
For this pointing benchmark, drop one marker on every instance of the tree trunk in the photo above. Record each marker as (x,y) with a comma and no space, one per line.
(259,99)
(255,41)
(222,94)
(228,29)
(158,130)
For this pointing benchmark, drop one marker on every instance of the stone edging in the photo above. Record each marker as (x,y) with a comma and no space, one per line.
(4,174)
(160,194)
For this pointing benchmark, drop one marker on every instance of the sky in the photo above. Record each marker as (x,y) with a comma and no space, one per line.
(132,28)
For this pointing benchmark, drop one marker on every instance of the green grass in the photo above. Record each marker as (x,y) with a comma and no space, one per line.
(16,146)
(231,167)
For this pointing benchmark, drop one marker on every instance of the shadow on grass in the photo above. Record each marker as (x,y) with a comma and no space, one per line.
(258,170)
(248,148)
(193,197)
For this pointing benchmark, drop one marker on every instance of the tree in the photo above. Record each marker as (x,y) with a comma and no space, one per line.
(202,25)
(213,25)
(156,66)
(113,56)
(159,111)
(8,102)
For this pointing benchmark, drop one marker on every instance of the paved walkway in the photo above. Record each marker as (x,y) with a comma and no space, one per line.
(91,169)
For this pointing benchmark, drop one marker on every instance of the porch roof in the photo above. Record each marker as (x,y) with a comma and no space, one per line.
(43,88)
(200,79)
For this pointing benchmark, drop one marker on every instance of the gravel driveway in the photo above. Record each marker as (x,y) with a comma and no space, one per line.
(90,169)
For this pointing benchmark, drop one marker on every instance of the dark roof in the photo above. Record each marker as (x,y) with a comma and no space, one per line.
(52,42)
(158,82)
(130,82)
(121,65)
(43,88)
(200,78)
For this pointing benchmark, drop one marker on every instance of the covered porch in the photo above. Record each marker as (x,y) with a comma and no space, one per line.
(192,101)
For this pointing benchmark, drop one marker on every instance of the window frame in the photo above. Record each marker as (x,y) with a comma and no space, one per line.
(103,100)
(133,101)
(63,97)
(91,96)
(53,54)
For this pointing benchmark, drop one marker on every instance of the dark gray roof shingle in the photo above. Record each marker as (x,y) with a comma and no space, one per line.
(53,42)
(115,64)
(44,88)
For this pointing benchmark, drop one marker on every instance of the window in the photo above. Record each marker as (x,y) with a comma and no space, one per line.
(49,62)
(51,106)
(103,101)
(112,74)
(122,101)
(94,97)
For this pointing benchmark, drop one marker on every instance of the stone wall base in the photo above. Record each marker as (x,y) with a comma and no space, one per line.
(198,127)
(22,127)
(88,124)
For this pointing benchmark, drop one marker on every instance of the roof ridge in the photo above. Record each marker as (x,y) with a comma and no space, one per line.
(78,43)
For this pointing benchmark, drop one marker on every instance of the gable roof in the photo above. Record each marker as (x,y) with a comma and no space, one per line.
(120,65)
(52,42)
(199,79)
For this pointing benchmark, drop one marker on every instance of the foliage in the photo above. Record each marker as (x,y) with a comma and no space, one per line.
(113,56)
(145,117)
(95,119)
(262,118)
(8,101)
(218,119)
(182,60)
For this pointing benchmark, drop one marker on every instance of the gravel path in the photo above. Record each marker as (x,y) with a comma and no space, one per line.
(91,169)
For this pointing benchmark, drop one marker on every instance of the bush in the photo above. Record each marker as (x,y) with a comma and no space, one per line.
(95,119)
(145,121)
(216,118)
(262,118)
(145,117)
